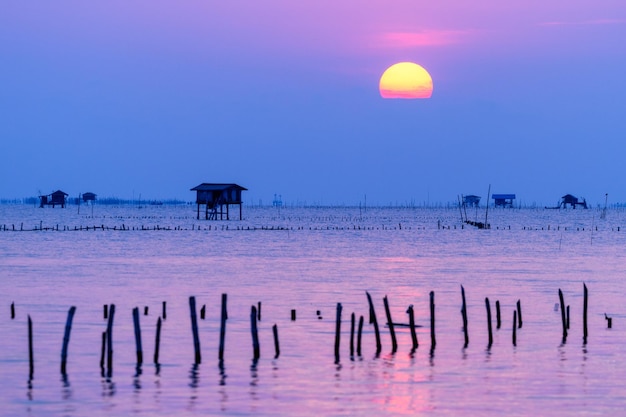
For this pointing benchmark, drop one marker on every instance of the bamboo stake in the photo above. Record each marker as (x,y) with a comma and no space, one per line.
(194,329)
(66,338)
(255,335)
(223,318)
(488,307)
(374,321)
(137,328)
(464,314)
(433,340)
(392,332)
(337,331)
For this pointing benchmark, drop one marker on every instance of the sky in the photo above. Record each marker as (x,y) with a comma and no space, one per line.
(151,98)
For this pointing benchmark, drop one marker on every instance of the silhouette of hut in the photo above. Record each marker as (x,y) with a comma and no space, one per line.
(503,200)
(471,200)
(572,201)
(56,198)
(217,196)
(88,197)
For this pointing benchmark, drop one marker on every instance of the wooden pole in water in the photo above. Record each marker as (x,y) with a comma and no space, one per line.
(358,338)
(223,318)
(31,360)
(203,312)
(514,327)
(157,342)
(412,327)
(374,321)
(563,318)
(137,328)
(103,350)
(194,329)
(66,338)
(258,311)
(433,340)
(498,316)
(110,341)
(489,328)
(337,331)
(464,314)
(105,309)
(276,345)
(585,305)
(12,310)
(392,332)
(164,314)
(352,328)
(519,314)
(255,335)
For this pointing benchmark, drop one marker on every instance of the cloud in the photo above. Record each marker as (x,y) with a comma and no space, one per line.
(422,38)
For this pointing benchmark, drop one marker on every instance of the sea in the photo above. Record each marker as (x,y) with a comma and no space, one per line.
(527,317)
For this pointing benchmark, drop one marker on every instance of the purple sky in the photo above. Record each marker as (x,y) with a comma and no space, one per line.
(123,98)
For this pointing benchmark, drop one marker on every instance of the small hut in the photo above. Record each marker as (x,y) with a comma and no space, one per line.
(503,200)
(57,198)
(471,200)
(572,201)
(216,197)
(89,197)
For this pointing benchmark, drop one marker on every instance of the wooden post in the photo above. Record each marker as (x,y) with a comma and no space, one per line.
(464,314)
(223,318)
(293,315)
(258,312)
(105,309)
(203,311)
(12,310)
(585,305)
(194,329)
(488,307)
(138,349)
(498,316)
(145,310)
(255,335)
(433,340)
(110,341)
(563,318)
(392,332)
(337,331)
(31,360)
(514,327)
(352,327)
(359,333)
(519,314)
(164,314)
(276,345)
(412,327)
(157,342)
(66,338)
(103,351)
(374,321)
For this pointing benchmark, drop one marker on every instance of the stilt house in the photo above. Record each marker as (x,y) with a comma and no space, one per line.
(503,200)
(57,198)
(216,198)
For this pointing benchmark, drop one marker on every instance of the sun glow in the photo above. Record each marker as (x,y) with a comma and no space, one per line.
(406,80)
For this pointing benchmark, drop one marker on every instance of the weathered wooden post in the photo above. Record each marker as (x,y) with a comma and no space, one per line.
(31,360)
(293,315)
(258,311)
(337,331)
(433,340)
(255,335)
(464,314)
(358,338)
(392,332)
(138,349)
(194,329)
(563,317)
(374,321)
(490,330)
(514,327)
(585,305)
(110,341)
(203,312)
(157,342)
(519,314)
(164,314)
(66,338)
(352,328)
(223,318)
(412,327)
(276,345)
(103,351)
(12,310)
(498,316)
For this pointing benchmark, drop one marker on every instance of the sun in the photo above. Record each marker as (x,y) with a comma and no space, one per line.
(406,80)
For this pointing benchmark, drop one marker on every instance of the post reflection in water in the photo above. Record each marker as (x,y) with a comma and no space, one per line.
(254,381)
(194,380)
(222,384)
(66,392)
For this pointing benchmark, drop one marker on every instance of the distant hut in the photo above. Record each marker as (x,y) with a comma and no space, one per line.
(503,200)
(89,197)
(57,198)
(471,200)
(572,201)
(217,196)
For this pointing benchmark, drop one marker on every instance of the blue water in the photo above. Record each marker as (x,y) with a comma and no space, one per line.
(308,260)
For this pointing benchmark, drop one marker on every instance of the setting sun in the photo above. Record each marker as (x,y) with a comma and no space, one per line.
(406,80)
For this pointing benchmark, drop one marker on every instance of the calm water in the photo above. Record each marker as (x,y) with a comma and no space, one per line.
(310,260)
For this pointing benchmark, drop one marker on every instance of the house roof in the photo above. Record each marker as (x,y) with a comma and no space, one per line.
(503,196)
(206,186)
(59,192)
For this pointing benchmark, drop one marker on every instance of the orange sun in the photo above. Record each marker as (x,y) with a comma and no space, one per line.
(406,80)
